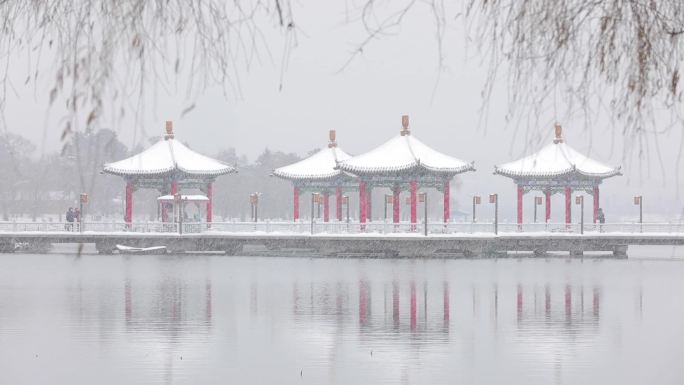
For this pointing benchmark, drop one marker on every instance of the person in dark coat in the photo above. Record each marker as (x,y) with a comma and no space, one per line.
(601,216)
(69,226)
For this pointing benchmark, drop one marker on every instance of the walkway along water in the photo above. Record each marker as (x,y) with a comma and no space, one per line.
(341,238)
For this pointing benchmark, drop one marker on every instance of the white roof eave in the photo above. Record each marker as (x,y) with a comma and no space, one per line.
(413,166)
(124,172)
(456,170)
(366,170)
(227,170)
(549,174)
(290,176)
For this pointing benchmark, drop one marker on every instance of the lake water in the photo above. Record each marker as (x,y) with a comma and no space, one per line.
(249,320)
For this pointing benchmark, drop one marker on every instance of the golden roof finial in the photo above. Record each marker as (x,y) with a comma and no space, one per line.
(332,136)
(405,125)
(559,134)
(169,130)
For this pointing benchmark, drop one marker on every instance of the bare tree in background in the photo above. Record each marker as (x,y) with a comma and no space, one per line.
(102,56)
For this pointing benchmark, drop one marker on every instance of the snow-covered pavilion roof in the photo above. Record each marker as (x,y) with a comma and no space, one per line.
(402,153)
(166,156)
(319,166)
(556,159)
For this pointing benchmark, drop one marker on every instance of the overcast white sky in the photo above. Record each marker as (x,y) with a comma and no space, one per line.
(396,75)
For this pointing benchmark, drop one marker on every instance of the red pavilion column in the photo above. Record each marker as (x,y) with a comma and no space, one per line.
(596,203)
(548,205)
(326,206)
(295,203)
(210,203)
(174,190)
(362,202)
(396,204)
(128,215)
(369,204)
(520,205)
(447,200)
(568,204)
(338,202)
(414,196)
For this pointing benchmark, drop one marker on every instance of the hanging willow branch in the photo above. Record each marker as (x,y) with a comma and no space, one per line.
(101,56)
(104,57)
(567,56)
(623,53)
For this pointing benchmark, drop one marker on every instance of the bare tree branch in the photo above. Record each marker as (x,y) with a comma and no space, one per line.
(117,50)
(570,57)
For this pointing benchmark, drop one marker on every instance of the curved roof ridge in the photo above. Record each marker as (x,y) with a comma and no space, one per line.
(173,155)
(410,147)
(334,152)
(564,151)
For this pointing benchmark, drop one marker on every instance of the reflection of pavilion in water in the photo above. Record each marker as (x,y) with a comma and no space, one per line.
(170,305)
(162,313)
(172,310)
(577,306)
(377,309)
(427,307)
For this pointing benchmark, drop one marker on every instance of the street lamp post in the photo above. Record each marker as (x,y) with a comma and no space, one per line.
(254,202)
(177,207)
(494,198)
(639,200)
(314,199)
(537,202)
(345,200)
(476,201)
(579,200)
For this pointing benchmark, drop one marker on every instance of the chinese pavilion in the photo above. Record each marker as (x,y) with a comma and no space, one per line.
(318,173)
(168,166)
(554,169)
(401,163)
